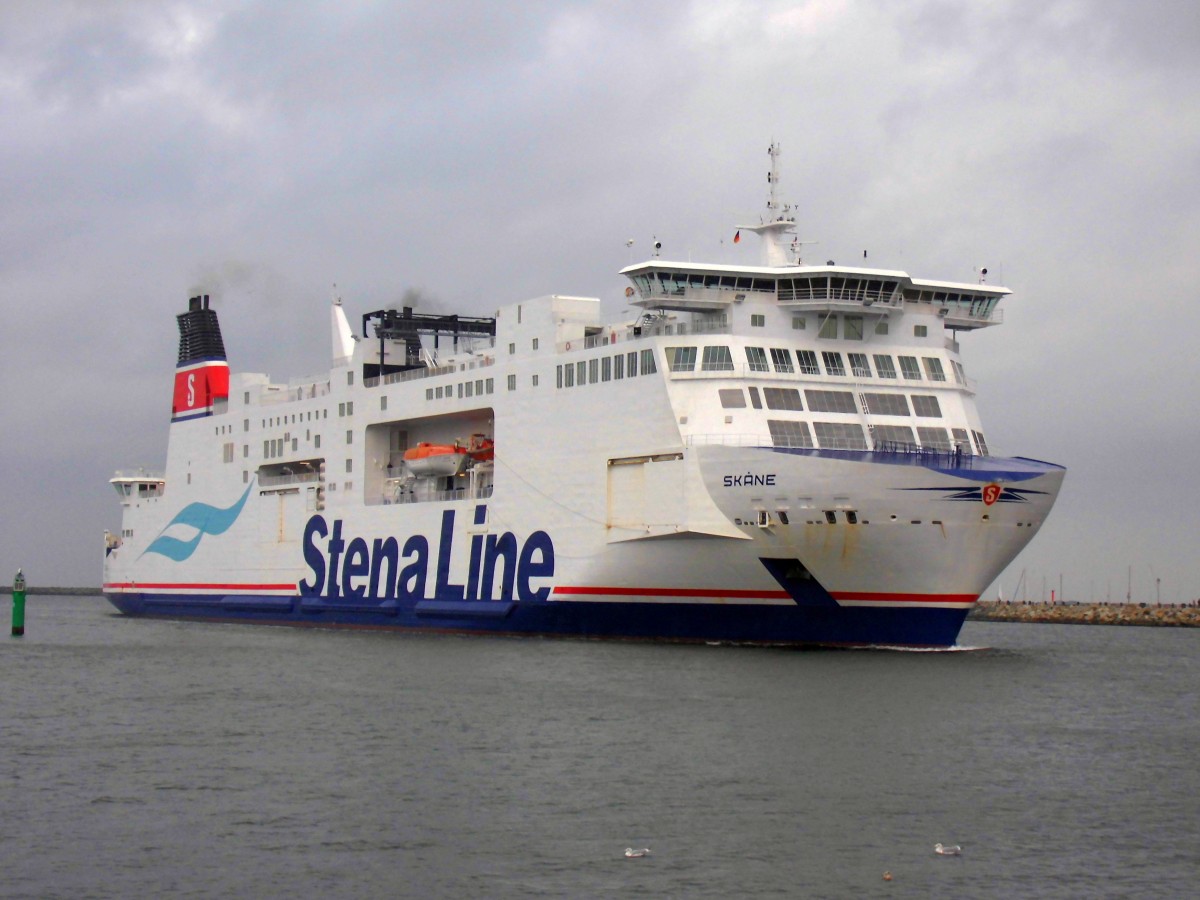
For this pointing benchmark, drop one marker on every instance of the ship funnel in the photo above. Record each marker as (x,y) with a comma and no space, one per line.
(201,373)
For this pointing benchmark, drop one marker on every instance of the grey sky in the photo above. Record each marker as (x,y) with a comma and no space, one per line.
(483,154)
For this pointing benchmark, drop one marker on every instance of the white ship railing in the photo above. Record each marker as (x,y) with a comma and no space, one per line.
(417,374)
(140,474)
(293,478)
(273,395)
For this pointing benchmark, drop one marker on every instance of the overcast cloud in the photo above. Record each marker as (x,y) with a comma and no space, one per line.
(484,153)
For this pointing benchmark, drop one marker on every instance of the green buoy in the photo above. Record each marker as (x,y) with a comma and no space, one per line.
(18,622)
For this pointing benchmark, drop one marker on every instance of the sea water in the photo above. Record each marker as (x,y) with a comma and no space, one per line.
(149,758)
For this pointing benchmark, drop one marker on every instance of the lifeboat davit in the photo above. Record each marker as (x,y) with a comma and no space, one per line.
(482,448)
(436,459)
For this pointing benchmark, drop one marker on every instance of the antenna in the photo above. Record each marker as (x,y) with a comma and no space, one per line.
(773,176)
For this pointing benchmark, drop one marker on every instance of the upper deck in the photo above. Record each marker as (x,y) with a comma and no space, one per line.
(693,287)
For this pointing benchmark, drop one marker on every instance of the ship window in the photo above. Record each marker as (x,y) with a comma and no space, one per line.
(789,434)
(840,435)
(350,378)
(732,398)
(383,400)
(349,465)
(758,320)
(859,365)
(648,367)
(920,331)
(831,516)
(470,389)
(798,323)
(594,370)
(808,362)
(681,359)
(783,516)
(881,327)
(961,439)
(980,443)
(535,343)
(245,424)
(581,372)
(716,359)
(852,328)
(350,436)
(569,375)
(350,408)
(606,369)
(341,409)
(886,404)
(782,358)
(428,396)
(754,400)
(934,438)
(893,434)
(828,327)
(317,441)
(884,366)
(512,382)
(851,517)
(933,368)
(535,381)
(619,366)
(782,398)
(757,358)
(632,359)
(512,348)
(927,406)
(959,375)
(908,365)
(831,401)
(833,363)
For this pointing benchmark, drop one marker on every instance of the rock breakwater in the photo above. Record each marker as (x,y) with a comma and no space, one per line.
(1087,613)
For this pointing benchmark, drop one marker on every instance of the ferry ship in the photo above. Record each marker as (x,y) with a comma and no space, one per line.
(779,453)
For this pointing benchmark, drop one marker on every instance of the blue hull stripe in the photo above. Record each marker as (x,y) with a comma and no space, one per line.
(767,624)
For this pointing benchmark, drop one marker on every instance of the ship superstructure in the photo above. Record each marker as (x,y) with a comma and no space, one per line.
(779,453)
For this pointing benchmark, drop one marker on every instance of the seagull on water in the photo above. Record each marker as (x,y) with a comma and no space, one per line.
(637,854)
(943,850)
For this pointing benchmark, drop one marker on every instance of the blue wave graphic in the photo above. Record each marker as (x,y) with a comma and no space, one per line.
(206,519)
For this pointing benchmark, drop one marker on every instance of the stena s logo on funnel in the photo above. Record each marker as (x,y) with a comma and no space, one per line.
(197,386)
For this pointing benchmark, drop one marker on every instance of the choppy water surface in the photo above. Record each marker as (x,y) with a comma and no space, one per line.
(143,758)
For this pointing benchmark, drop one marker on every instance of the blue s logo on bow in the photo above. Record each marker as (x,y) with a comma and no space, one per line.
(204,518)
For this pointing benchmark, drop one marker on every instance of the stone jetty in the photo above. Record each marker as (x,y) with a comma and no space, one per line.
(1087,613)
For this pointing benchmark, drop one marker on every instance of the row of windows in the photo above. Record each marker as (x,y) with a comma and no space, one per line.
(476,388)
(923,405)
(607,368)
(851,436)
(846,289)
(719,359)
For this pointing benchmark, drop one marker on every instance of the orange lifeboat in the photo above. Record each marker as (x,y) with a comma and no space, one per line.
(435,459)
